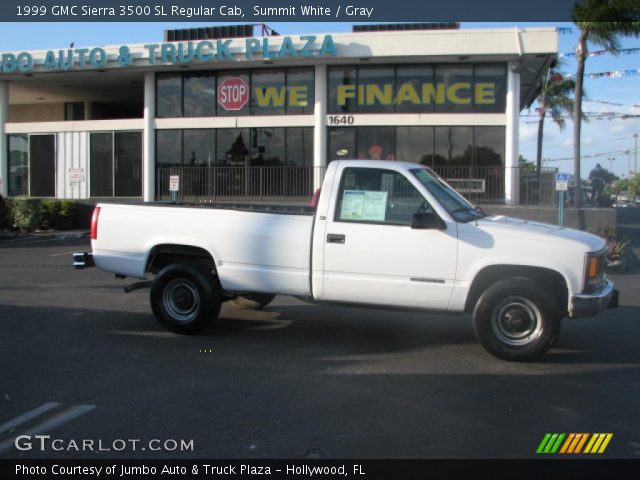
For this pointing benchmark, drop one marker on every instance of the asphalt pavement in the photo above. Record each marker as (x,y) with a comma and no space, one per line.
(82,361)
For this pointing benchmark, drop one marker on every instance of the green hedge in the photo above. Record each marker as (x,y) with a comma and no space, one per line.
(29,214)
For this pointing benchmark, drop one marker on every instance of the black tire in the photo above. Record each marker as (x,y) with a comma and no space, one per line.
(185,298)
(254,301)
(517,319)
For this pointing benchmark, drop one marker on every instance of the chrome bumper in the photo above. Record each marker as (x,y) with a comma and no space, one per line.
(82,260)
(589,304)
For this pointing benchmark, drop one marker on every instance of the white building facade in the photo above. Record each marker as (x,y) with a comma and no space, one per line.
(259,118)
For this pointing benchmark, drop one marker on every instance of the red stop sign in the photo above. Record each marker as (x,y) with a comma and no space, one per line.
(233,93)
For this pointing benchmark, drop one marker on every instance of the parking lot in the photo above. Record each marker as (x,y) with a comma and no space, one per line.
(82,360)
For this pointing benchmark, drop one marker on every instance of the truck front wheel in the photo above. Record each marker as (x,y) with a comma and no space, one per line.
(517,319)
(185,298)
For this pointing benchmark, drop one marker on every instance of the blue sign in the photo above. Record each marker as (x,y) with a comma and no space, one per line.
(174,52)
(562,177)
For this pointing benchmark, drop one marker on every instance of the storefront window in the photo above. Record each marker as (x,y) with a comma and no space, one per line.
(415,144)
(168,95)
(101,164)
(199,94)
(419,88)
(489,146)
(453,146)
(300,147)
(490,88)
(376,143)
(233,147)
(343,90)
(376,89)
(169,148)
(300,91)
(342,143)
(431,146)
(409,88)
(128,164)
(18,165)
(267,147)
(42,165)
(268,92)
(454,87)
(115,164)
(199,148)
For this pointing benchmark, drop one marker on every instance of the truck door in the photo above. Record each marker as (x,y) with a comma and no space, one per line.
(371,253)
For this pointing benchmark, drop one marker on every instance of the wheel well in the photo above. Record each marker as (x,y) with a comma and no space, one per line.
(551,279)
(166,254)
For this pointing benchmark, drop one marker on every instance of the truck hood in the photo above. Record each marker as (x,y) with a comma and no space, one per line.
(528,230)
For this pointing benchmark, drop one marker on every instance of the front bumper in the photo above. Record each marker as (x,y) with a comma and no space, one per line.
(589,304)
(82,260)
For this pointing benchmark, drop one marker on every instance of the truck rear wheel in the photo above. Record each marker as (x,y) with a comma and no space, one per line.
(517,319)
(185,298)
(254,301)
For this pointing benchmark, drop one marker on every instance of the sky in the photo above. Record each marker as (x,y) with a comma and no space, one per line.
(604,141)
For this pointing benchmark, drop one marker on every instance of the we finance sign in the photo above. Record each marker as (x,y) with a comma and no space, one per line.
(205,51)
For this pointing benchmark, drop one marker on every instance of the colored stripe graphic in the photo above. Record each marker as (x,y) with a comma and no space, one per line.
(598,443)
(550,443)
(574,442)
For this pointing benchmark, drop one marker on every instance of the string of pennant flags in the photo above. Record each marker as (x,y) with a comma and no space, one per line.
(597,53)
(612,74)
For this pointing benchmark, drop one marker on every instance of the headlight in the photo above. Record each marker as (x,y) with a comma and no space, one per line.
(593,271)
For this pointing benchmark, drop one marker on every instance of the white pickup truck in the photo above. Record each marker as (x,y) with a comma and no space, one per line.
(383,234)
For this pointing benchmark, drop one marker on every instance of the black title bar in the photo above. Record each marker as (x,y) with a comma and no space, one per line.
(253,11)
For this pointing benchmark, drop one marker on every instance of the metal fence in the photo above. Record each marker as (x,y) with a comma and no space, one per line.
(485,185)
(284,185)
(295,185)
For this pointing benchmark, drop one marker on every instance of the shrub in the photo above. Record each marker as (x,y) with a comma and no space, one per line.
(57,214)
(29,214)
(26,214)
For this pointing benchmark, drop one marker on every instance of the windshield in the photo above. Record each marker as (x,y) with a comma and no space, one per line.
(457,206)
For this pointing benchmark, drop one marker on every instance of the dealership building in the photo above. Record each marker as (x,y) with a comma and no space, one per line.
(245,118)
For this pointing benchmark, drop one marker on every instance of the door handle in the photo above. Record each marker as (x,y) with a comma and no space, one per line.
(335,238)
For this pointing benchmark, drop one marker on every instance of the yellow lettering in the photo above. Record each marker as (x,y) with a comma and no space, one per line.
(429,93)
(407,93)
(382,96)
(485,93)
(298,96)
(360,94)
(452,93)
(345,92)
(270,96)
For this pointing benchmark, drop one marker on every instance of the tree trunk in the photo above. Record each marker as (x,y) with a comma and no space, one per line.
(581,56)
(540,134)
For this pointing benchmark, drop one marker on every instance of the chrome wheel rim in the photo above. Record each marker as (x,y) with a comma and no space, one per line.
(181,300)
(516,321)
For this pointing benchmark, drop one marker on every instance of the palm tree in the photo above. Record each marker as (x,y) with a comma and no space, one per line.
(601,22)
(555,99)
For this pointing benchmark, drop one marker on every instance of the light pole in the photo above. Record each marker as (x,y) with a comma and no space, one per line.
(611,164)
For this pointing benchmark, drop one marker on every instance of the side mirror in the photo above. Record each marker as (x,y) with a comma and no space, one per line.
(427,221)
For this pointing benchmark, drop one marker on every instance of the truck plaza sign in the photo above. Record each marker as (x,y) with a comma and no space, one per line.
(205,51)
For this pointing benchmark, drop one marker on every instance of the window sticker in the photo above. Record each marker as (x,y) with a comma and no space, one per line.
(364,205)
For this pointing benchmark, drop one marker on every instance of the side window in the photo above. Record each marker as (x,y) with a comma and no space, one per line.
(372,195)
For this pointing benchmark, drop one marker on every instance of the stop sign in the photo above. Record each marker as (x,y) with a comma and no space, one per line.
(233,93)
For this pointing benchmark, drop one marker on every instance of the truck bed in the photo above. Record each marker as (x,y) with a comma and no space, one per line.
(266,249)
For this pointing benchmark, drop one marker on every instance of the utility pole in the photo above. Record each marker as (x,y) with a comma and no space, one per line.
(635,154)
(611,164)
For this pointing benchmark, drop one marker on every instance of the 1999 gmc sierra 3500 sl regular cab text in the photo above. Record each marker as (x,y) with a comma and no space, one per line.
(383,234)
